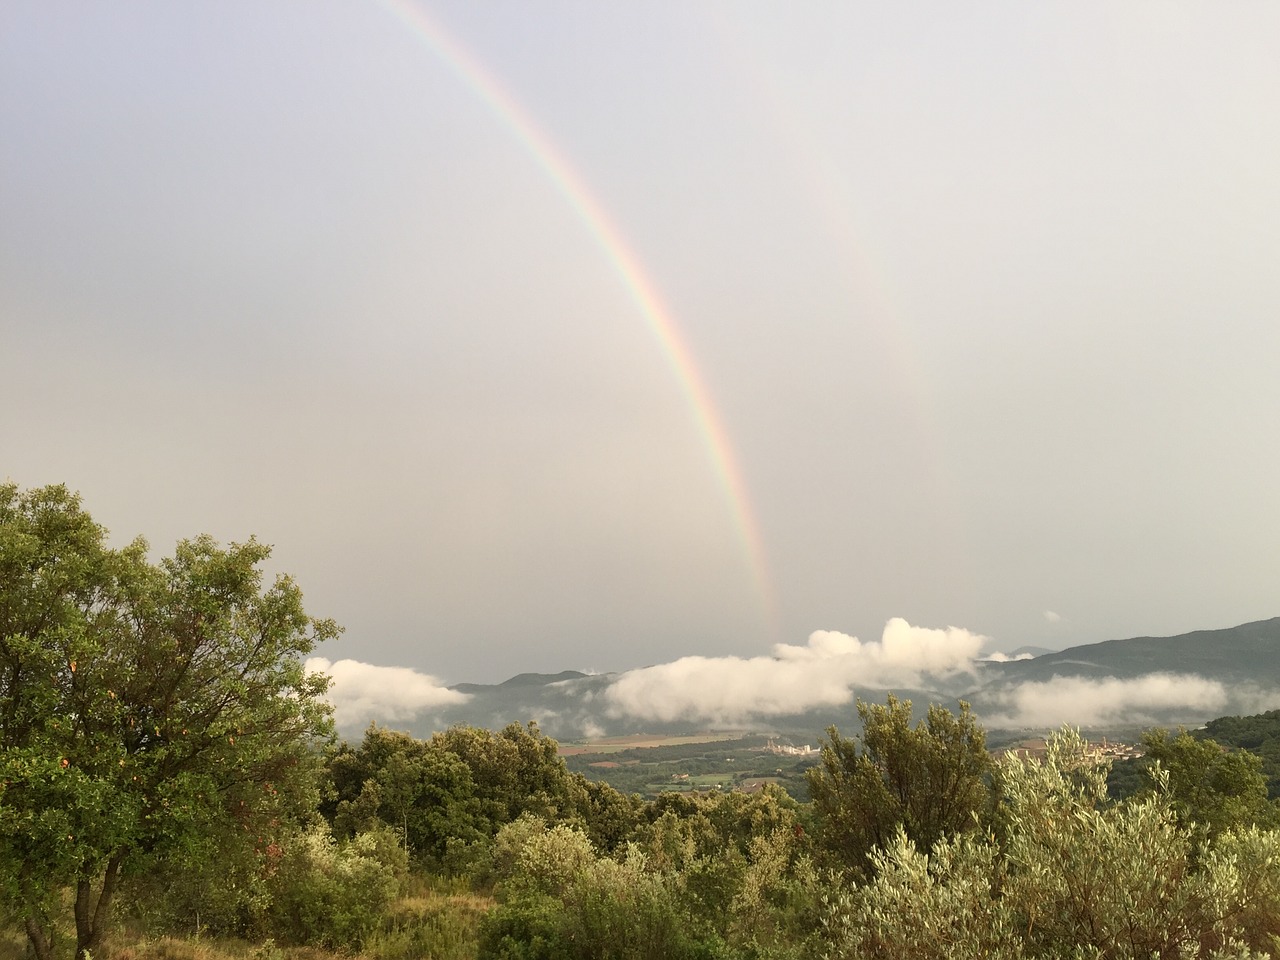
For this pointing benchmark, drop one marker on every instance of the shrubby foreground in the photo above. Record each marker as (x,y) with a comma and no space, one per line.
(164,758)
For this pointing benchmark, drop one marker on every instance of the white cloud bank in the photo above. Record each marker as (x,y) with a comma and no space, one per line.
(823,673)
(1150,699)
(1086,702)
(998,657)
(362,692)
(728,690)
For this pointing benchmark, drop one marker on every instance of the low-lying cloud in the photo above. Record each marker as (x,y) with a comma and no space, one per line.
(1106,701)
(362,692)
(999,657)
(823,673)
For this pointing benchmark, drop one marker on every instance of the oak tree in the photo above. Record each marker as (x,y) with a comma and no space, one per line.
(146,707)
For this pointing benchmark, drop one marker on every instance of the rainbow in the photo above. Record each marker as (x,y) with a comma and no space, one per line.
(631,271)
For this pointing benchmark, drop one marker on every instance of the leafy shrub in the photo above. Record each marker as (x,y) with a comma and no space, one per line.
(1065,875)
(532,926)
(926,907)
(560,901)
(336,894)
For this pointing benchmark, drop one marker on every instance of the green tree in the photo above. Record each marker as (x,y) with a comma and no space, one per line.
(608,815)
(931,780)
(1063,874)
(515,771)
(1209,787)
(423,792)
(1117,878)
(449,795)
(146,707)
(941,906)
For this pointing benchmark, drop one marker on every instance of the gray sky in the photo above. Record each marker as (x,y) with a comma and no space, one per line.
(984,296)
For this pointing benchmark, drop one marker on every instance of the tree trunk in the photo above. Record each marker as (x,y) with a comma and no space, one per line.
(39,940)
(92,919)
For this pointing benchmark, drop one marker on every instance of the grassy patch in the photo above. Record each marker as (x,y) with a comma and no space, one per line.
(435,922)
(436,918)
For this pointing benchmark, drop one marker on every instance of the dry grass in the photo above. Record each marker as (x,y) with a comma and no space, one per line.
(435,919)
(13,945)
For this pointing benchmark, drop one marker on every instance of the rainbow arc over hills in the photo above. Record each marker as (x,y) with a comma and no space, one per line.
(624,261)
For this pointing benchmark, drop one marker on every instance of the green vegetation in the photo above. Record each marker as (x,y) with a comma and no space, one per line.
(153,713)
(927,781)
(1224,775)
(1260,735)
(163,757)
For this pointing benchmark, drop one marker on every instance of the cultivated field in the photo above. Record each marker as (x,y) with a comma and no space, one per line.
(640,740)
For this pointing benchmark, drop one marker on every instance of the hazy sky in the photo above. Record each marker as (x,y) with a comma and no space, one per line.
(982,297)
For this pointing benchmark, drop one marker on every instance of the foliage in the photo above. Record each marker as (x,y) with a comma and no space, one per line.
(449,795)
(1081,873)
(1063,874)
(1250,856)
(776,908)
(436,919)
(939,906)
(930,780)
(426,794)
(335,894)
(714,845)
(1209,787)
(1260,735)
(724,872)
(609,817)
(558,899)
(226,894)
(145,707)
(515,771)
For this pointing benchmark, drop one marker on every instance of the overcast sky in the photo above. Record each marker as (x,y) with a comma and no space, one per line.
(983,298)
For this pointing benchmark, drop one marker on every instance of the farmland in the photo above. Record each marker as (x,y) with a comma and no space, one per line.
(652,765)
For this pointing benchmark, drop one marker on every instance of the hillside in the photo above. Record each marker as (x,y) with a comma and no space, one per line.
(1242,654)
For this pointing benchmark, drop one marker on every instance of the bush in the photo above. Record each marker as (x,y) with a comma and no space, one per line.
(1065,875)
(336,895)
(560,900)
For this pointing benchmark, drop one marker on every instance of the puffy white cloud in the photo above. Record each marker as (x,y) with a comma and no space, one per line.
(731,690)
(1086,701)
(998,657)
(362,692)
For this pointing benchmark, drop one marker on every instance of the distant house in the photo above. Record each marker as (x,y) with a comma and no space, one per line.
(788,749)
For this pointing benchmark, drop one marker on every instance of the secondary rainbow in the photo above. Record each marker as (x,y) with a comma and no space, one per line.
(628,267)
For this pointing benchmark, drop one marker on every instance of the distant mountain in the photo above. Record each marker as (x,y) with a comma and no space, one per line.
(1238,666)
(1141,682)
(1249,653)
(523,680)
